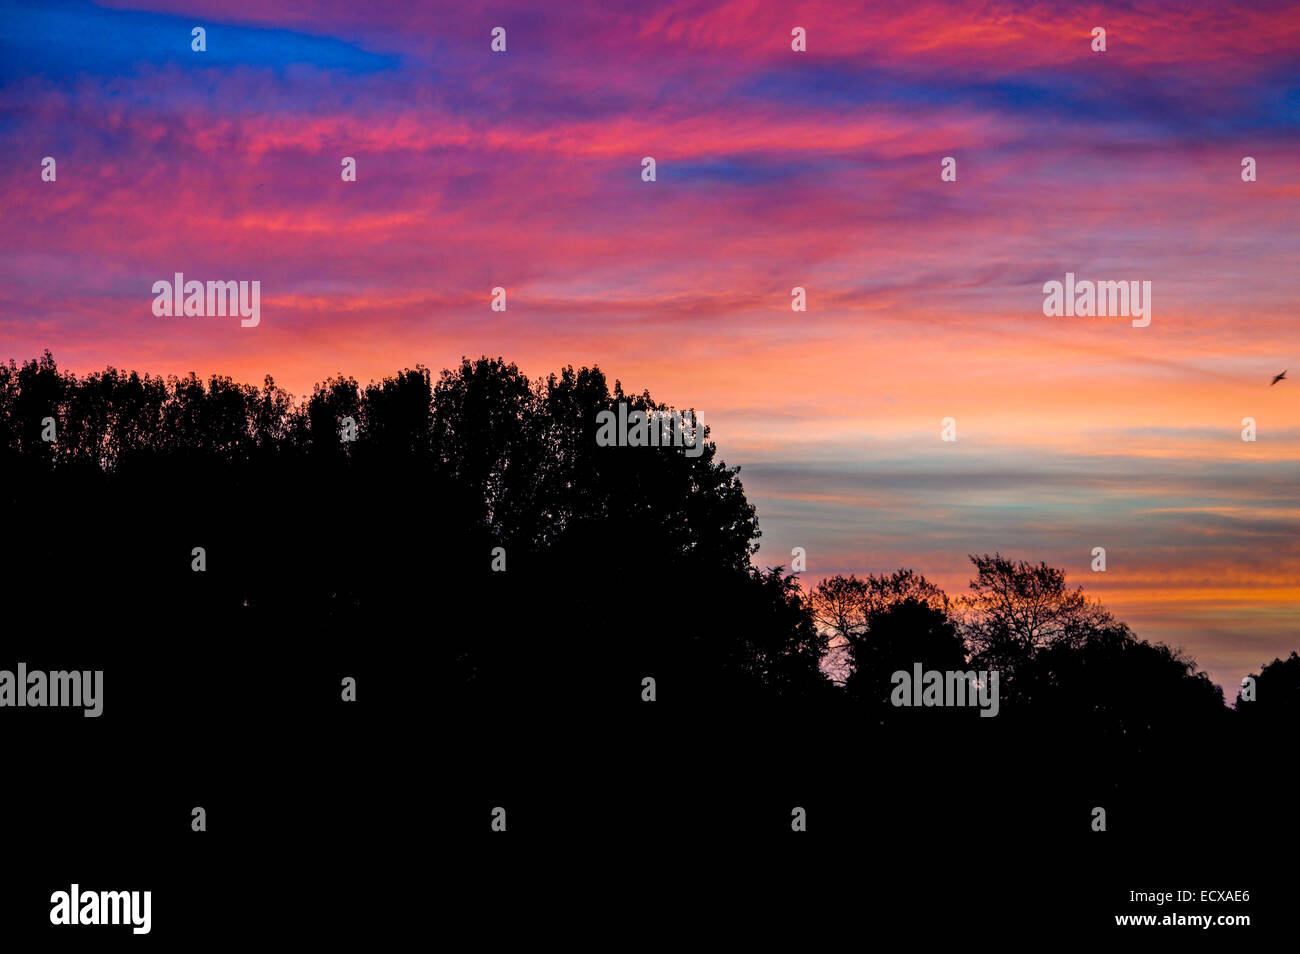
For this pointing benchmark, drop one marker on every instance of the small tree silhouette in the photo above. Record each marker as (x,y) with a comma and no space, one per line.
(1015,608)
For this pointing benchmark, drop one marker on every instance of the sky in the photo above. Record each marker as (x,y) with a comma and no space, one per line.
(774,169)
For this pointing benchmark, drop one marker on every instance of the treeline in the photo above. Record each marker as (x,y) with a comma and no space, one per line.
(1060,655)
(474,525)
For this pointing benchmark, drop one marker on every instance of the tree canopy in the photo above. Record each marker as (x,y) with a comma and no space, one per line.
(475,511)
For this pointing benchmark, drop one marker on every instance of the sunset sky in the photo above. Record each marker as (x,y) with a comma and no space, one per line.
(775,169)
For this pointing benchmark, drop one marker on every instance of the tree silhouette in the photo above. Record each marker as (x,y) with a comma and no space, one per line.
(897,635)
(622,562)
(305,531)
(1114,684)
(842,606)
(1015,608)
(1277,695)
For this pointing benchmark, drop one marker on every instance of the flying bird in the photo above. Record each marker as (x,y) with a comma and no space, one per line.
(1280,377)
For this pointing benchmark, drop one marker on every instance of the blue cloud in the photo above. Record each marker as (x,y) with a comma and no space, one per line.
(65,38)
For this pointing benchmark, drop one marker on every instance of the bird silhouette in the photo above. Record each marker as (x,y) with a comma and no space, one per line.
(1278,378)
